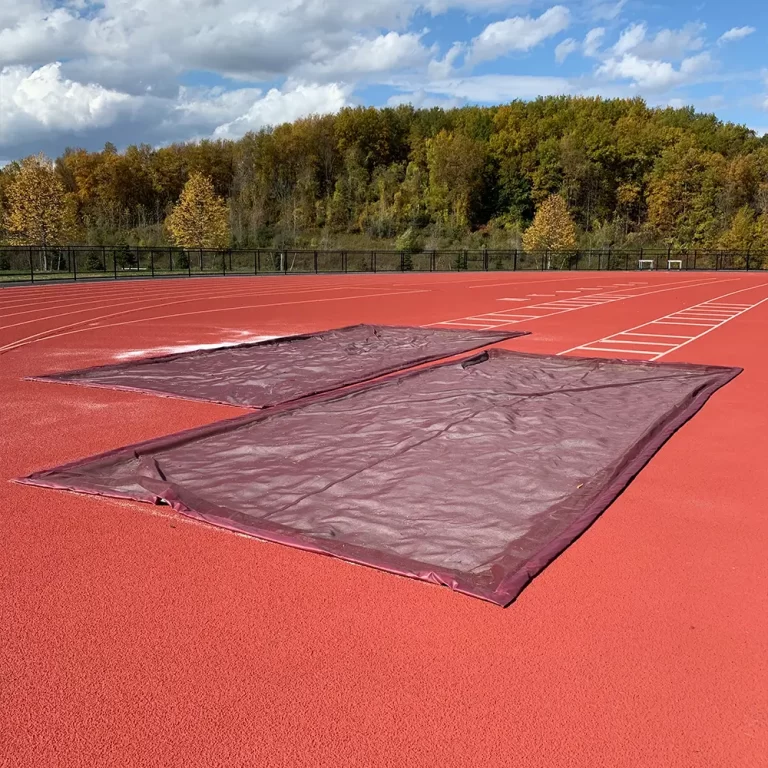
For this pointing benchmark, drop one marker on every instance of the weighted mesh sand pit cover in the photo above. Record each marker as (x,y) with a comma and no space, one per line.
(266,373)
(474,474)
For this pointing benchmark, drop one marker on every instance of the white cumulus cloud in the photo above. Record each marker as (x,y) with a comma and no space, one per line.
(736,33)
(36,101)
(441,68)
(285,106)
(654,74)
(493,89)
(593,40)
(565,49)
(87,71)
(666,44)
(363,56)
(520,33)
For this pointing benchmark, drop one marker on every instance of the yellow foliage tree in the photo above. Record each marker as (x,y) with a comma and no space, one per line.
(201,218)
(39,212)
(552,229)
(744,232)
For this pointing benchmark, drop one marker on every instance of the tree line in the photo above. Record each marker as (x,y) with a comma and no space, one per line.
(595,173)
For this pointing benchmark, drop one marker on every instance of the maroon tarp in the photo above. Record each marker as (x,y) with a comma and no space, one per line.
(474,474)
(270,372)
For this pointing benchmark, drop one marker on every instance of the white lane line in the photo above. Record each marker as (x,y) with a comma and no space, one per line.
(656,335)
(607,299)
(712,312)
(468,325)
(520,283)
(672,322)
(637,329)
(512,299)
(641,343)
(621,351)
(704,333)
(69,330)
(679,316)
(578,302)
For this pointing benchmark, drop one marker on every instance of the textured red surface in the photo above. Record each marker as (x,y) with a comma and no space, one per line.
(125,642)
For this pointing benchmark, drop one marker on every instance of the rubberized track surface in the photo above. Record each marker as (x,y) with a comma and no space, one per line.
(131,636)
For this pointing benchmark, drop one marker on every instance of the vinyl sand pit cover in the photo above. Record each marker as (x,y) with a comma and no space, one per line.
(474,474)
(270,372)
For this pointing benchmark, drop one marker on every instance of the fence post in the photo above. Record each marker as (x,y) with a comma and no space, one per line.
(402,261)
(170,260)
(626,260)
(514,261)
(747,260)
(31,267)
(373,262)
(485,259)
(152,263)
(72,258)
(114,262)
(316,263)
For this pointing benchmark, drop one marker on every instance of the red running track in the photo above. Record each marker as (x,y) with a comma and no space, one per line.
(133,637)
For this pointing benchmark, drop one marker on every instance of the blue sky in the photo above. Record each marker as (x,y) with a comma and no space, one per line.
(79,73)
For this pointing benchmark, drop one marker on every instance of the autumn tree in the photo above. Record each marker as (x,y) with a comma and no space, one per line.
(552,229)
(455,174)
(743,232)
(200,219)
(629,174)
(38,212)
(683,194)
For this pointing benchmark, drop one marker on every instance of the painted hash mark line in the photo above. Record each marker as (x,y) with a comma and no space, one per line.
(644,343)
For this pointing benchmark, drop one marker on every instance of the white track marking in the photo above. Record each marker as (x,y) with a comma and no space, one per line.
(524,283)
(154,351)
(561,306)
(611,349)
(671,322)
(618,344)
(657,335)
(94,325)
(187,296)
(643,343)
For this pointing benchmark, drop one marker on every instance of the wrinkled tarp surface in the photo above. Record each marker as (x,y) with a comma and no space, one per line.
(266,373)
(473,474)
